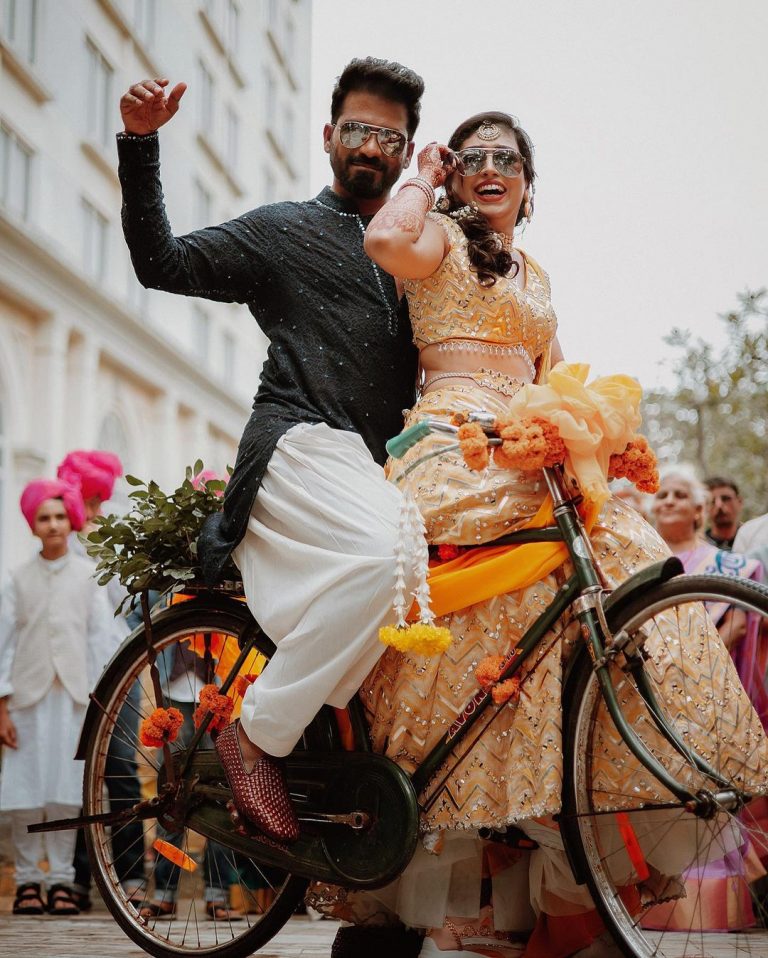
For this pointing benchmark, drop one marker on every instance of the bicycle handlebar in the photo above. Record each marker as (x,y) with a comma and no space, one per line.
(399,445)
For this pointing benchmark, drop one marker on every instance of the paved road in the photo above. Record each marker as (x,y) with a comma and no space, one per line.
(99,937)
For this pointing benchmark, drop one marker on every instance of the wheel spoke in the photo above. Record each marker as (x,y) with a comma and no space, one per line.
(126,698)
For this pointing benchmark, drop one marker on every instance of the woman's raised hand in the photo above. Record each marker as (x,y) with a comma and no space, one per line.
(145,107)
(436,163)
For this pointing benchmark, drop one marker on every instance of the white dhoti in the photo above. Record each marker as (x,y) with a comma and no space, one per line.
(318,567)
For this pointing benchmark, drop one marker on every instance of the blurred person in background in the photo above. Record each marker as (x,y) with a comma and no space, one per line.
(724,511)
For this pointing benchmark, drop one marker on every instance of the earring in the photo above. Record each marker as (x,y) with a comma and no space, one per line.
(527,206)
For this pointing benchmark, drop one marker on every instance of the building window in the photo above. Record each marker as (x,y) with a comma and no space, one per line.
(232,27)
(270,187)
(228,356)
(99,100)
(145,20)
(15,173)
(273,16)
(288,132)
(270,95)
(20,25)
(95,242)
(112,437)
(233,138)
(289,40)
(206,98)
(203,205)
(201,333)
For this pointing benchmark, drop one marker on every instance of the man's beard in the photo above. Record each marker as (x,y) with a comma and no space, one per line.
(365,180)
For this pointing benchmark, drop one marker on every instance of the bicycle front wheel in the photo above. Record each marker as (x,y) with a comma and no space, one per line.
(668,882)
(219,903)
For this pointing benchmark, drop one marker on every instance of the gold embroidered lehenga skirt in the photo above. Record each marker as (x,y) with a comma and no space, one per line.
(513,773)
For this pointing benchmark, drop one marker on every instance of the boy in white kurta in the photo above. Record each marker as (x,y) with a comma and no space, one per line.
(56,634)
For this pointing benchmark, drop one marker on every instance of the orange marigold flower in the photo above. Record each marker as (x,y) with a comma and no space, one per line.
(474,445)
(242,682)
(489,670)
(638,464)
(528,444)
(211,701)
(504,691)
(459,418)
(447,551)
(162,726)
(555,453)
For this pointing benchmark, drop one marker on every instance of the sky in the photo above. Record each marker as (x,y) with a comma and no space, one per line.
(650,123)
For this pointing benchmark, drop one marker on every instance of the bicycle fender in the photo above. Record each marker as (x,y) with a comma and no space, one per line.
(116,666)
(635,586)
(641,582)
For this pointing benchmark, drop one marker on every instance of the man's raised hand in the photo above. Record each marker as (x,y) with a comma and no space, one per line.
(145,107)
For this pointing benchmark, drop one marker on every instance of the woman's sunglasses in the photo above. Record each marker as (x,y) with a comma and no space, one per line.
(353,134)
(506,162)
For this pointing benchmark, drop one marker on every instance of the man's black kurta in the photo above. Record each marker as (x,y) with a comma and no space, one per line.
(340,343)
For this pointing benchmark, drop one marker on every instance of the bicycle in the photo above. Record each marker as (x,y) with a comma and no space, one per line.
(359,811)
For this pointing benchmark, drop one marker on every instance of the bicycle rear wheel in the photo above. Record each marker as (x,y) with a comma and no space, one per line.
(259,900)
(629,838)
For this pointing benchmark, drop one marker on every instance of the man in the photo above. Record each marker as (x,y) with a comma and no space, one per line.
(316,546)
(725,505)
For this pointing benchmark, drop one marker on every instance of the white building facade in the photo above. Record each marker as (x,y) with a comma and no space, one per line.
(88,358)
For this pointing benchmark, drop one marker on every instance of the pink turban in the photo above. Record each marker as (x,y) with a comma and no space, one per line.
(94,471)
(40,490)
(206,476)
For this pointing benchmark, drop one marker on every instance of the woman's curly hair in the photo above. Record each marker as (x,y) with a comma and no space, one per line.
(488,259)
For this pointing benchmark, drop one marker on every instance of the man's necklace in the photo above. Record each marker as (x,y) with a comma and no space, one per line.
(392,312)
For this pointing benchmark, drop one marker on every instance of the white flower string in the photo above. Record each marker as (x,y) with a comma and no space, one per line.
(420,554)
(401,557)
(411,552)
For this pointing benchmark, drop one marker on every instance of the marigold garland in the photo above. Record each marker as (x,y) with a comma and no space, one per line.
(488,673)
(211,701)
(174,854)
(637,463)
(528,444)
(504,691)
(161,727)
(447,551)
(473,443)
(418,638)
(242,683)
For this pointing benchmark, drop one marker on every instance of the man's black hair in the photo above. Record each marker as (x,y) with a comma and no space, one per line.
(714,481)
(384,78)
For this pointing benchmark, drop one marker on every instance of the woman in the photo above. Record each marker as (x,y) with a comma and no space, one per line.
(483,321)
(716,898)
(678,513)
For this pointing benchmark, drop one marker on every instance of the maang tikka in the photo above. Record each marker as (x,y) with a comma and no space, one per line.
(488,131)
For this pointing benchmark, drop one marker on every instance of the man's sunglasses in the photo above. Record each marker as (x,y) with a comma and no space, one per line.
(506,162)
(353,134)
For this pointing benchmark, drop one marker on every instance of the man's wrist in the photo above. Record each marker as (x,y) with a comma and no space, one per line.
(128,135)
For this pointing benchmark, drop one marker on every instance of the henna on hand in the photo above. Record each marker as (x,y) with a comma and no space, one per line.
(436,163)
(405,213)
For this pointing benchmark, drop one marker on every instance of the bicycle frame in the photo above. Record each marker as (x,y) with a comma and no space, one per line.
(584,592)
